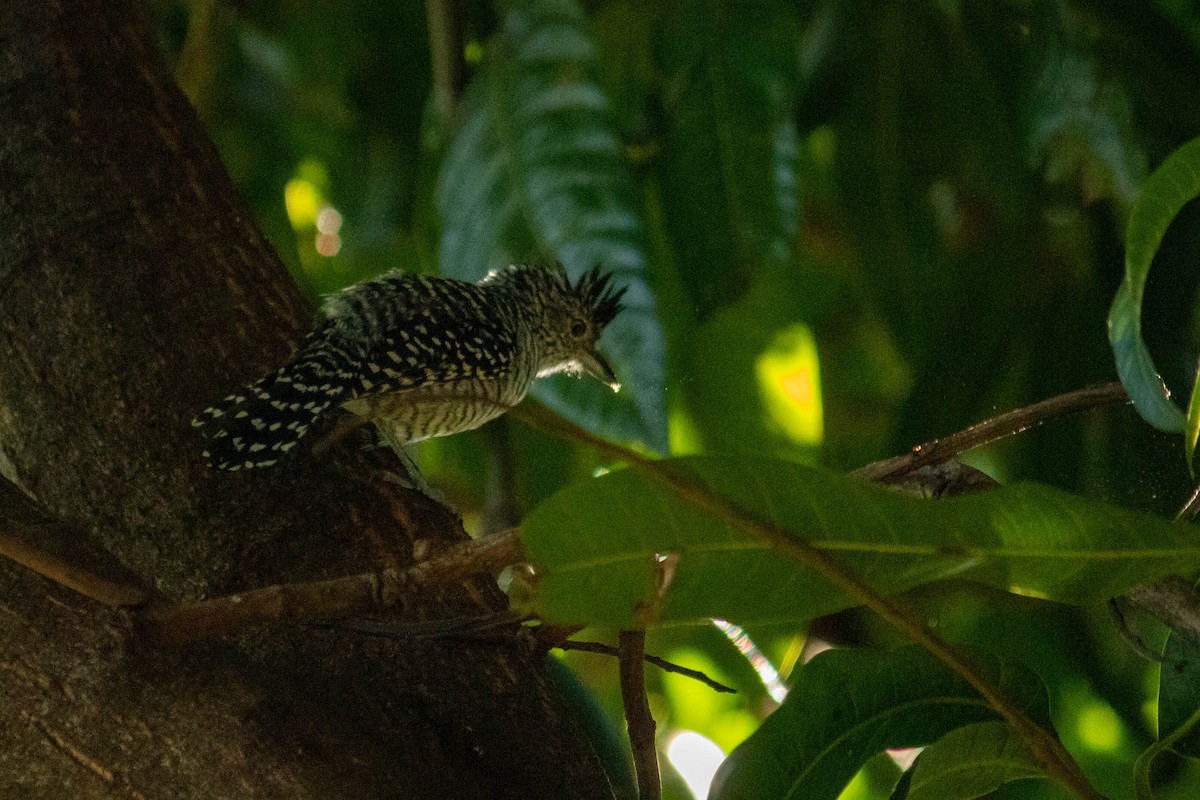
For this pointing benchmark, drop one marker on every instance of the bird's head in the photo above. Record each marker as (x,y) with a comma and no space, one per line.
(569,318)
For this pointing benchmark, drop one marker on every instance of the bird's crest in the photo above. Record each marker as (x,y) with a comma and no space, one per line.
(597,293)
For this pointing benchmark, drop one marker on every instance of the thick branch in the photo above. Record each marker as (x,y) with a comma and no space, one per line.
(1172,600)
(369,592)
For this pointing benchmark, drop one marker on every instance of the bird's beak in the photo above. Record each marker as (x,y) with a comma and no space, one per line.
(594,364)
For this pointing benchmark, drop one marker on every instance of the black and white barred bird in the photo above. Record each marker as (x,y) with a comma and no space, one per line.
(419,357)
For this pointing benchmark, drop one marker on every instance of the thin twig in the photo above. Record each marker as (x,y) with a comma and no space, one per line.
(661,663)
(1190,508)
(990,430)
(631,647)
(368,592)
(1048,751)
(24,522)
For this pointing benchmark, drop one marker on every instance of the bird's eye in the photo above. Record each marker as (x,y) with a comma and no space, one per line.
(578,328)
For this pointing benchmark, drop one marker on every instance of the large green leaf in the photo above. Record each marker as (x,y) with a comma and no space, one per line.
(848,705)
(1173,185)
(605,548)
(971,762)
(537,171)
(729,151)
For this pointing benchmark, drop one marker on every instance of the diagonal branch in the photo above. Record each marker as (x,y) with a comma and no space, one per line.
(181,626)
(1049,752)
(35,540)
(994,429)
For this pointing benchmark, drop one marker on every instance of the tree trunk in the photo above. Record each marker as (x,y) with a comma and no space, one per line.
(135,290)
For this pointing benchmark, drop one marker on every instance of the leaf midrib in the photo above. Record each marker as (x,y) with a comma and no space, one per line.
(868,548)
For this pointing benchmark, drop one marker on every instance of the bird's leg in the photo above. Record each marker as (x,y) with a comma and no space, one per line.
(414,480)
(342,428)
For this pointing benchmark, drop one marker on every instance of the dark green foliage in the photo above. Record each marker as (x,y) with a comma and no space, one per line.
(847,705)
(847,227)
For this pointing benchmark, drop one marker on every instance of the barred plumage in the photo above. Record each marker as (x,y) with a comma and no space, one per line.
(419,357)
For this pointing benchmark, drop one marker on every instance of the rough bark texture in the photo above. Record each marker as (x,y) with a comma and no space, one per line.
(134,289)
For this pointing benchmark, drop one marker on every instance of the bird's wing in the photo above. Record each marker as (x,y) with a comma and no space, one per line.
(449,332)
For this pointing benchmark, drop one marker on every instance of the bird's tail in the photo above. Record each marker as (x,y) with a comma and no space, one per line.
(263,422)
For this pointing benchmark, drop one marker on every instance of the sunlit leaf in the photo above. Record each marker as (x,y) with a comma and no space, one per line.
(753,377)
(971,762)
(627,549)
(789,382)
(536,171)
(848,705)
(1166,191)
(1192,428)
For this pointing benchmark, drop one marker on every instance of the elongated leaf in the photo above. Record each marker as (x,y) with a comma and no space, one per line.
(536,171)
(599,547)
(729,155)
(971,762)
(1171,186)
(1179,693)
(847,706)
(1192,427)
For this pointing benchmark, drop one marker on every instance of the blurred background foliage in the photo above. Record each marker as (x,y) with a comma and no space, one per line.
(848,226)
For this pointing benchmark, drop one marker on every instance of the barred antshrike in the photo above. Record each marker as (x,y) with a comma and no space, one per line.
(419,357)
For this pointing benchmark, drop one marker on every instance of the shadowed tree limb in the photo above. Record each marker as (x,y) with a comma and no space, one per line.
(134,291)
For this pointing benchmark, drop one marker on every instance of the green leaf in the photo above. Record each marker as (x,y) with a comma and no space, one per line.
(971,762)
(1082,128)
(729,154)
(848,705)
(1172,185)
(536,171)
(1192,429)
(626,549)
(607,741)
(1179,692)
(1143,788)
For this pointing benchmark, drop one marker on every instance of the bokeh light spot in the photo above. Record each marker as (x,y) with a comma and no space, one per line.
(696,758)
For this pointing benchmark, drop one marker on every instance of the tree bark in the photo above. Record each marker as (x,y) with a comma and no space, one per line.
(134,291)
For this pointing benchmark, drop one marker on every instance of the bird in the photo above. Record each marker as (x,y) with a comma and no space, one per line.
(419,357)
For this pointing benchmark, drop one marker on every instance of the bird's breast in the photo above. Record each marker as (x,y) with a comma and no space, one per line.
(411,415)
